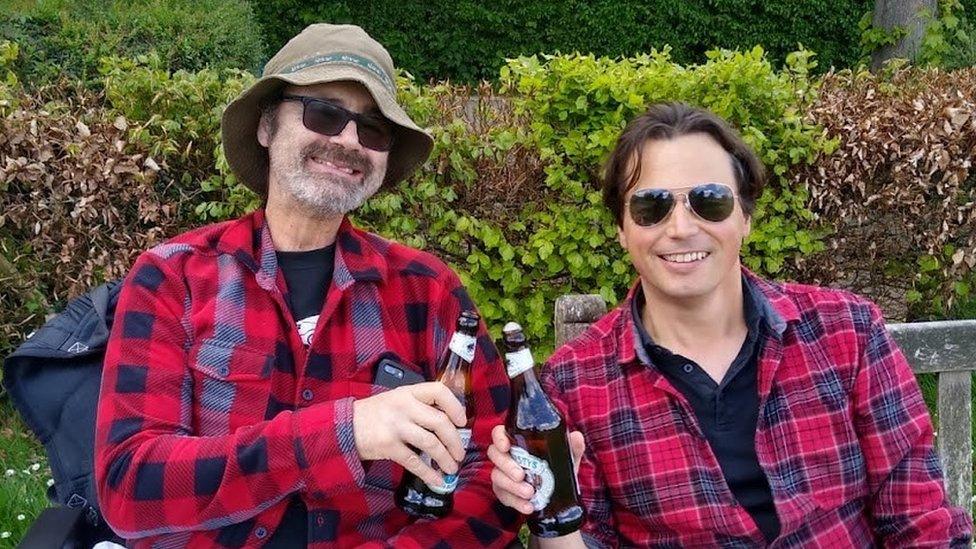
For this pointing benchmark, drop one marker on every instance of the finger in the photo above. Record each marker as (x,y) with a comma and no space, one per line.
(503,462)
(427,442)
(519,505)
(577,445)
(435,421)
(500,438)
(437,394)
(511,493)
(412,462)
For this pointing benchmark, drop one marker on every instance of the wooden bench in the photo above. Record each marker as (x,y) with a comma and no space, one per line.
(947,349)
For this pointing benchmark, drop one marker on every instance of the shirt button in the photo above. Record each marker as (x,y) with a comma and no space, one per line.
(307,394)
(688,368)
(261,532)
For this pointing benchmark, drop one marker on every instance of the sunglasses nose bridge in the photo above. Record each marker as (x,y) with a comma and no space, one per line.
(348,135)
(681,223)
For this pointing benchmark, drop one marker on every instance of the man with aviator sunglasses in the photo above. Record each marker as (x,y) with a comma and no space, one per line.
(719,409)
(241,403)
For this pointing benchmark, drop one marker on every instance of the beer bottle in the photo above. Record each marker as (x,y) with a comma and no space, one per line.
(540,444)
(413,495)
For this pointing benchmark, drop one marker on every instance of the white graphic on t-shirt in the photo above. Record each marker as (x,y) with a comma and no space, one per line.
(306,327)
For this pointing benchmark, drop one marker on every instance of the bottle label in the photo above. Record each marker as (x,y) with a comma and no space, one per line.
(463,346)
(518,362)
(538,474)
(450,481)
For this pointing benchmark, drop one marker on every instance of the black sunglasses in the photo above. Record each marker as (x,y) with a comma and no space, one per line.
(327,118)
(710,201)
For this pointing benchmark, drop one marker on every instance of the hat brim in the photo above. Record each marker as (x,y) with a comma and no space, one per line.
(248,159)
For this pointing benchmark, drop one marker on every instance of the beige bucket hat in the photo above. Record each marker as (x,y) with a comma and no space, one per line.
(321,53)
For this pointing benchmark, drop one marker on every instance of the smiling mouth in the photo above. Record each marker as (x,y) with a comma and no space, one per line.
(338,167)
(689,257)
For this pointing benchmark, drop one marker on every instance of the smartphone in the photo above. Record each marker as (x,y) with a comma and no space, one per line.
(391,374)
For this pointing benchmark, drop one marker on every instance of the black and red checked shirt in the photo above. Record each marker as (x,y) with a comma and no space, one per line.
(842,435)
(213,412)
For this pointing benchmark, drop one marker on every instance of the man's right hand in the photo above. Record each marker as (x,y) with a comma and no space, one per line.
(424,416)
(508,478)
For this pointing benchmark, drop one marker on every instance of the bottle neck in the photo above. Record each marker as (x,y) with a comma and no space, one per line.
(463,345)
(517,362)
(521,369)
(529,378)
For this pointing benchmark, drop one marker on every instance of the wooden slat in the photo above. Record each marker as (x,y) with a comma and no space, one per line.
(955,435)
(945,346)
(574,313)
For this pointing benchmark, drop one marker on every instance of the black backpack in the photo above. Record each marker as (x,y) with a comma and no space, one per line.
(53,380)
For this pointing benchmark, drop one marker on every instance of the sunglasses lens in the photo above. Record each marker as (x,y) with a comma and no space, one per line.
(650,206)
(324,118)
(328,119)
(374,134)
(712,202)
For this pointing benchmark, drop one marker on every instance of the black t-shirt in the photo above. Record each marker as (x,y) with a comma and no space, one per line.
(308,275)
(728,411)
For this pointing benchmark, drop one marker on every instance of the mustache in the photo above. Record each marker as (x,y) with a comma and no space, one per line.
(338,154)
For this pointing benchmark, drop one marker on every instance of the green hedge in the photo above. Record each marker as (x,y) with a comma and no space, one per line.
(68,37)
(468,40)
(514,206)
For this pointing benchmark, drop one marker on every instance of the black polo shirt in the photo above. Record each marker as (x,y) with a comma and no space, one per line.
(727,412)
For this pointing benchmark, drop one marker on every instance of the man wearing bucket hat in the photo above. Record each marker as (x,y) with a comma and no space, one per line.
(240,402)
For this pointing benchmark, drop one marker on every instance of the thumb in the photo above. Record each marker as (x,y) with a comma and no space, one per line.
(576,446)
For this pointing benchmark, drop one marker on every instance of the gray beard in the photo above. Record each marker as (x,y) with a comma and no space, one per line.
(319,195)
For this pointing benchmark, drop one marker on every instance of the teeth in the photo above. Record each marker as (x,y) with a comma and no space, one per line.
(685,258)
(342,169)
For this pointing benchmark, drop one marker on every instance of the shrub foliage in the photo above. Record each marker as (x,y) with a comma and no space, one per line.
(78,202)
(509,196)
(69,37)
(900,192)
(467,40)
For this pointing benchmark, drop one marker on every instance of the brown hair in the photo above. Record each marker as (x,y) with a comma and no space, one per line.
(668,121)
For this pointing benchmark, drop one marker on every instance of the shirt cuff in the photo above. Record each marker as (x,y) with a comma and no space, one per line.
(325,448)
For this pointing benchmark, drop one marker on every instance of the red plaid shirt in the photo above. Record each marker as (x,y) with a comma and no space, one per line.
(213,413)
(843,436)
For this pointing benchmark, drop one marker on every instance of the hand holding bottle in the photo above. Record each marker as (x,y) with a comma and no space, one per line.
(508,477)
(424,416)
(539,446)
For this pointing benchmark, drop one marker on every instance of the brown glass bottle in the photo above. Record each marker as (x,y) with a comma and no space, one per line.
(540,444)
(413,495)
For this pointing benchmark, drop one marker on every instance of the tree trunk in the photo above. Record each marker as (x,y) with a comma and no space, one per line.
(907,14)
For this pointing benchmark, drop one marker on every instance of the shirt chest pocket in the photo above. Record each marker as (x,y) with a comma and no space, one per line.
(230,386)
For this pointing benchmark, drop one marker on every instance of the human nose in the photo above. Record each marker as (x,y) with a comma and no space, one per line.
(349,136)
(681,222)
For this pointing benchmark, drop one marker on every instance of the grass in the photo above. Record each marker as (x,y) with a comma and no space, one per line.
(24,475)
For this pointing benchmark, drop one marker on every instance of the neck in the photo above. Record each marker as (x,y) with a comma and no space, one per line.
(294,230)
(682,324)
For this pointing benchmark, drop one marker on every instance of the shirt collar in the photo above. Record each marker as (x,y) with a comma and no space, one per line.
(359,255)
(763,301)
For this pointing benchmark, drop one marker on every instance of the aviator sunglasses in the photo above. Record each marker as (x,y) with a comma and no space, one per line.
(326,118)
(710,201)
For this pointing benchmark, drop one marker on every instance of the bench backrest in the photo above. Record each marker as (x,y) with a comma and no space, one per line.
(947,349)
